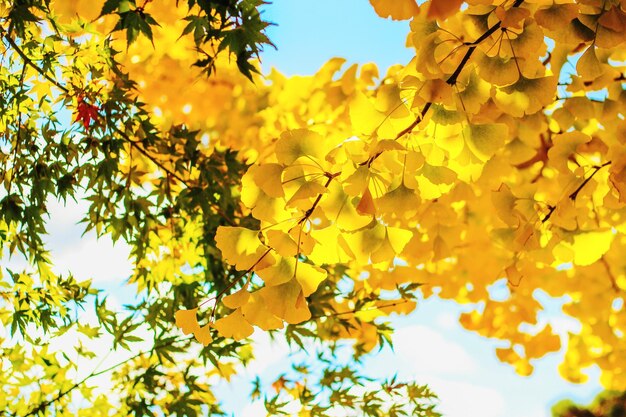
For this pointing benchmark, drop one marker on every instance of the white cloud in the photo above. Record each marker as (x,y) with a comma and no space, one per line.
(426,351)
(86,256)
(447,320)
(267,352)
(93,258)
(462,399)
(254,409)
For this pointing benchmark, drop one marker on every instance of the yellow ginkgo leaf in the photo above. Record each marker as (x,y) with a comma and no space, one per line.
(282,271)
(241,247)
(308,190)
(485,140)
(334,248)
(234,325)
(383,256)
(297,143)
(618,179)
(340,208)
(557,16)
(364,116)
(497,70)
(364,242)
(203,335)
(238,298)
(564,146)
(512,17)
(187,320)
(309,276)
(527,95)
(356,181)
(399,200)
(268,178)
(283,243)
(303,239)
(591,246)
(286,301)
(395,9)
(398,238)
(257,313)
(503,202)
(286,269)
(588,65)
(474,91)
(264,206)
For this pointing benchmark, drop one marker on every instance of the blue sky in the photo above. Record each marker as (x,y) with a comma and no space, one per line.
(309,32)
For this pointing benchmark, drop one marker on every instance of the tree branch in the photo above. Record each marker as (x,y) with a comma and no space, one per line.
(574,194)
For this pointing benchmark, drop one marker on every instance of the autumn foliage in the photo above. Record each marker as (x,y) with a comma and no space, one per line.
(322,204)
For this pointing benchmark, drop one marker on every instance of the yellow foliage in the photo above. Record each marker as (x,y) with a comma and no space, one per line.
(473,164)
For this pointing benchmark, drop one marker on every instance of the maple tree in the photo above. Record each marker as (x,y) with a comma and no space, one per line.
(317,205)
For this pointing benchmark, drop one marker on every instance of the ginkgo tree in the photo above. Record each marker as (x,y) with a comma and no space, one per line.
(308,207)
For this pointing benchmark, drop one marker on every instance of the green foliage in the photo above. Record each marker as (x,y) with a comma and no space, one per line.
(606,404)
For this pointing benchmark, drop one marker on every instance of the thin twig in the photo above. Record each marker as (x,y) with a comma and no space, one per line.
(309,212)
(610,274)
(573,195)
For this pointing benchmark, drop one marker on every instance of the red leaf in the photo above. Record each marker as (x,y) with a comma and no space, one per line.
(86,112)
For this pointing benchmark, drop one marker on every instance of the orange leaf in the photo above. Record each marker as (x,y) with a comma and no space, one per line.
(187,320)
(366,204)
(442,9)
(396,9)
(203,335)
